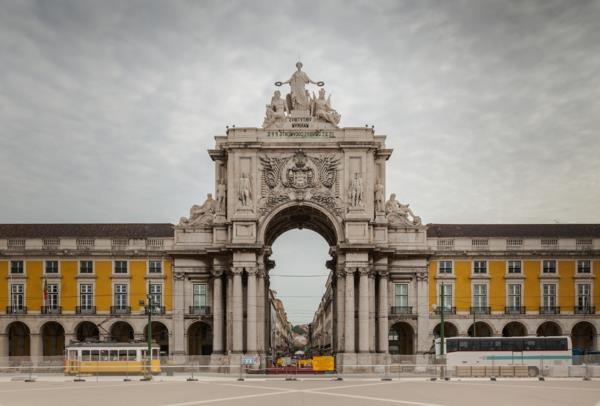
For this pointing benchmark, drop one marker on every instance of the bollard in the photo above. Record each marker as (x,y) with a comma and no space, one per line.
(241,377)
(79,378)
(191,378)
(586,374)
(127,372)
(386,373)
(30,379)
(541,377)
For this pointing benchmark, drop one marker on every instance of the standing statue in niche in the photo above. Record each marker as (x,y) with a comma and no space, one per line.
(200,215)
(356,191)
(298,99)
(221,197)
(275,114)
(244,189)
(322,109)
(379,197)
(397,213)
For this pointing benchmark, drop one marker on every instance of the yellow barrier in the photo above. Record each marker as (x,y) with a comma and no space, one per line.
(323,363)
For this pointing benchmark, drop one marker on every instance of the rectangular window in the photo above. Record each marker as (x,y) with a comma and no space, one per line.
(549,266)
(155,297)
(549,295)
(445,296)
(445,267)
(480,267)
(52,267)
(479,295)
(514,295)
(401,295)
(514,267)
(584,266)
(584,295)
(154,267)
(17,296)
(16,267)
(86,296)
(52,299)
(86,267)
(120,266)
(121,296)
(199,295)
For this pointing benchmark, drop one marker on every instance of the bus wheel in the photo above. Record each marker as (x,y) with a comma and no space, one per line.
(533,371)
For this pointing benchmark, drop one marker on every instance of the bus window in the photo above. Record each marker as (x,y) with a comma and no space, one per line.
(451,345)
(131,355)
(531,345)
(557,344)
(513,344)
(85,355)
(104,355)
(486,345)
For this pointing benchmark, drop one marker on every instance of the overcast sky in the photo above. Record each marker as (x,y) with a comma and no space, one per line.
(492,107)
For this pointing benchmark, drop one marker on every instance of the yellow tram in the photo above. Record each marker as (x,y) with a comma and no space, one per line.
(110,358)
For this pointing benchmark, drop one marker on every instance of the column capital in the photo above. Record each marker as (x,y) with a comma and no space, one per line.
(218,271)
(251,271)
(383,273)
(179,276)
(340,273)
(349,270)
(237,270)
(421,276)
(363,270)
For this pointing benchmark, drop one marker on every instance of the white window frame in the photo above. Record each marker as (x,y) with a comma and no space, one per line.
(486,296)
(114,268)
(591,271)
(508,263)
(114,293)
(555,267)
(194,304)
(79,267)
(10,297)
(10,272)
(93,293)
(439,290)
(445,273)
(555,284)
(162,289)
(155,273)
(590,294)
(57,267)
(406,295)
(47,303)
(508,295)
(487,269)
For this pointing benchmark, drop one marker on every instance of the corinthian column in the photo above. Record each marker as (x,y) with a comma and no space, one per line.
(260,322)
(238,311)
(349,312)
(372,304)
(382,321)
(363,310)
(251,317)
(217,311)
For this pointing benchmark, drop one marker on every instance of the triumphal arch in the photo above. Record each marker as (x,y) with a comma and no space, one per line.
(300,169)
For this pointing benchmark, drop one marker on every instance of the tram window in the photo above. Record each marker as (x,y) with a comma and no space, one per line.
(154,353)
(122,355)
(114,355)
(104,355)
(451,346)
(131,355)
(95,355)
(85,355)
(72,355)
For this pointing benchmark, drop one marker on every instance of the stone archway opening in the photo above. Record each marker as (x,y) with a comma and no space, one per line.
(53,339)
(87,331)
(401,339)
(481,329)
(514,329)
(548,328)
(199,339)
(160,335)
(121,332)
(450,330)
(19,339)
(583,337)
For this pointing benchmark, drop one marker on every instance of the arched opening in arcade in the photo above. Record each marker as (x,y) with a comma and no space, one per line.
(299,241)
(160,335)
(121,332)
(401,339)
(583,337)
(199,339)
(548,328)
(481,329)
(450,330)
(53,339)
(87,331)
(19,339)
(514,329)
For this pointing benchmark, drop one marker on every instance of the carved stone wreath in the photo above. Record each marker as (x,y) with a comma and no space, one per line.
(299,177)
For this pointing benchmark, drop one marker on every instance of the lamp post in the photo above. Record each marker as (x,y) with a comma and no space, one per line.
(148,371)
(442,349)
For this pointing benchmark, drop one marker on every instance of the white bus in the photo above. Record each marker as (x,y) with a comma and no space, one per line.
(534,352)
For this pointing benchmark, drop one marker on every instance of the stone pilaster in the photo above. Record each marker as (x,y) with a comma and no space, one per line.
(251,311)
(178,349)
(423,343)
(261,308)
(372,311)
(340,304)
(349,312)
(238,311)
(218,317)
(229,313)
(382,320)
(363,310)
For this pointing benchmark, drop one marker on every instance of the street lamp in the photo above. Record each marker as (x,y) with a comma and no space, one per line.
(148,371)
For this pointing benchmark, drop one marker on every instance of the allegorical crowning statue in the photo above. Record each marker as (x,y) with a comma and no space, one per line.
(300,103)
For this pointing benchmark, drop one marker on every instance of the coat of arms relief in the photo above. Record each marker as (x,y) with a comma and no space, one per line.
(299,177)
